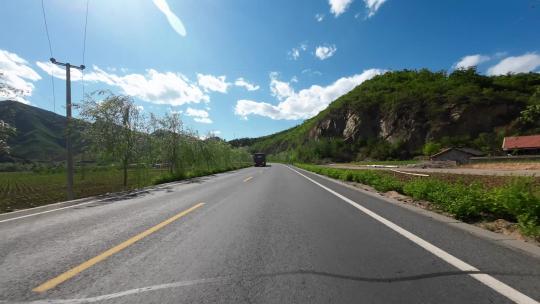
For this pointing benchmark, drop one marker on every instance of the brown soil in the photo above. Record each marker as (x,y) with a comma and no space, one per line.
(505,166)
(488,181)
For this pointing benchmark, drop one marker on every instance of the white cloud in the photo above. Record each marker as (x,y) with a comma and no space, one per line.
(174,21)
(319,17)
(58,72)
(338,7)
(311,72)
(199,115)
(241,82)
(307,102)
(471,61)
(373,6)
(516,64)
(325,51)
(213,83)
(295,52)
(156,87)
(280,89)
(17,75)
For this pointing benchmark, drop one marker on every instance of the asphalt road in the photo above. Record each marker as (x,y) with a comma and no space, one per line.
(263,235)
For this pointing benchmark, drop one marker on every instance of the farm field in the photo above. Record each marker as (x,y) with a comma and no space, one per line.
(19,190)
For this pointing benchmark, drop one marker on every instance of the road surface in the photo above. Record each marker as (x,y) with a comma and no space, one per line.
(256,235)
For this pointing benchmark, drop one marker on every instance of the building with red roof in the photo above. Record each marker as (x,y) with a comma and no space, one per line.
(522,144)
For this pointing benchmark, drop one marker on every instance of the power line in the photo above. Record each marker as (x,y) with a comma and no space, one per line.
(84,46)
(50,52)
(46,27)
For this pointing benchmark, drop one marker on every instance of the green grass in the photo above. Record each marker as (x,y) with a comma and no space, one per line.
(20,190)
(386,162)
(518,200)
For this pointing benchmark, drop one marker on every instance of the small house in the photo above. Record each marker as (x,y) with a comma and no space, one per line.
(522,145)
(459,155)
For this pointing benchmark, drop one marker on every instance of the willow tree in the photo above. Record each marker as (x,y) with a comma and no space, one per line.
(172,130)
(114,123)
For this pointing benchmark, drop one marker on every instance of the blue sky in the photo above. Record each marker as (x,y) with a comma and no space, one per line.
(246,68)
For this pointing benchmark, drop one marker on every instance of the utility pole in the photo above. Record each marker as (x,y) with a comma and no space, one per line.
(68,125)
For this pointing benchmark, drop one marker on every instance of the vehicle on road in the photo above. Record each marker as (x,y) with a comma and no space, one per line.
(259,159)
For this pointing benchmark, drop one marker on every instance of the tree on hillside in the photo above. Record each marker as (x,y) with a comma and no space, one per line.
(114,128)
(6,131)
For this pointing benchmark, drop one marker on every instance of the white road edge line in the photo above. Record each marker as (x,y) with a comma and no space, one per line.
(486,279)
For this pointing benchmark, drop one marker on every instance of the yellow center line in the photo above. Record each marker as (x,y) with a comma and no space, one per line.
(247,179)
(78,269)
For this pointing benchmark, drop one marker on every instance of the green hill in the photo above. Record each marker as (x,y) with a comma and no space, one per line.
(394,115)
(40,133)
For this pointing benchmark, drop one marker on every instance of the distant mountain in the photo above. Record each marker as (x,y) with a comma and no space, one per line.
(394,115)
(40,133)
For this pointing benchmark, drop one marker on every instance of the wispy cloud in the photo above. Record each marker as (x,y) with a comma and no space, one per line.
(241,82)
(296,52)
(471,61)
(325,51)
(516,64)
(338,7)
(199,115)
(311,72)
(174,21)
(303,104)
(373,6)
(213,83)
(17,76)
(319,17)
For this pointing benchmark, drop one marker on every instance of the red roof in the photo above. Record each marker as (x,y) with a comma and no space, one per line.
(521,142)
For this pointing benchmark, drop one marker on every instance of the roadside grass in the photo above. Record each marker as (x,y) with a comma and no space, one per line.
(517,200)
(21,190)
(167,178)
(385,162)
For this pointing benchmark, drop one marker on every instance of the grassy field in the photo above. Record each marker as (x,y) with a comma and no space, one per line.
(469,198)
(20,190)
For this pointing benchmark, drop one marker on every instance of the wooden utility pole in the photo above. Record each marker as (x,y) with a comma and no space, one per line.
(69,149)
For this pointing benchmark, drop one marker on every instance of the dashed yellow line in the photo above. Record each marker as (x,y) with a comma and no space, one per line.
(247,179)
(78,269)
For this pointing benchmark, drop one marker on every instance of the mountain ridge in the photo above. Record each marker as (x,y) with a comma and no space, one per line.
(40,133)
(394,115)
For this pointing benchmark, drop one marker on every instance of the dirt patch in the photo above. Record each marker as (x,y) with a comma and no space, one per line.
(487,181)
(505,166)
(504,227)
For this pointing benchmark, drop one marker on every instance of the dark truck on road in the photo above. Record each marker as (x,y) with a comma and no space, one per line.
(259,159)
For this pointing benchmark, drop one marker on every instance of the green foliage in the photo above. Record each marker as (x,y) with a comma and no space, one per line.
(431,148)
(529,120)
(6,131)
(517,201)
